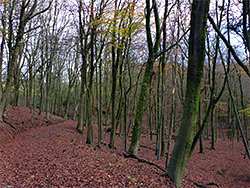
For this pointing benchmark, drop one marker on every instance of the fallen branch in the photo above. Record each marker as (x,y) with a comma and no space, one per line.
(8,124)
(129,155)
(148,147)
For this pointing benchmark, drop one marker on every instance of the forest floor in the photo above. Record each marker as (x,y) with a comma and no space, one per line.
(53,154)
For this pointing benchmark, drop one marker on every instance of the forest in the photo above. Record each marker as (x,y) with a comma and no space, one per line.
(174,73)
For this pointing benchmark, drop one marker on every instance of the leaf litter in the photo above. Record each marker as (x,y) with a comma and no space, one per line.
(54,154)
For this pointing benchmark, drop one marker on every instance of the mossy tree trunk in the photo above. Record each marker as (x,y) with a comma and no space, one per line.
(152,48)
(177,165)
(213,98)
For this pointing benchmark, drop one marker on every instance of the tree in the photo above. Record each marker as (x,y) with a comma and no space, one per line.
(83,37)
(3,20)
(121,29)
(176,167)
(212,82)
(116,55)
(27,12)
(73,73)
(152,49)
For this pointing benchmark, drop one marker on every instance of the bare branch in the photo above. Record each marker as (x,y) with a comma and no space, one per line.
(42,11)
(229,46)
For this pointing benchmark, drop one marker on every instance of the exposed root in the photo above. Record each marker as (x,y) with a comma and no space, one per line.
(8,124)
(202,186)
(127,155)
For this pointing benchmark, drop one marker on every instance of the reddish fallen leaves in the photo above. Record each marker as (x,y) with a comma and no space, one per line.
(57,156)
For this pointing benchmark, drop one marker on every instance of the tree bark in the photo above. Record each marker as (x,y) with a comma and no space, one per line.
(152,48)
(84,50)
(115,62)
(196,59)
(3,19)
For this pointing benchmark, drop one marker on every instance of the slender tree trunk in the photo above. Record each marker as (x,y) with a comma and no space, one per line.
(243,108)
(48,88)
(157,115)
(34,102)
(150,111)
(30,65)
(107,97)
(84,50)
(212,129)
(128,88)
(113,101)
(121,100)
(41,91)
(76,99)
(3,19)
(115,62)
(237,116)
(89,107)
(99,95)
(70,87)
(90,101)
(173,100)
(199,125)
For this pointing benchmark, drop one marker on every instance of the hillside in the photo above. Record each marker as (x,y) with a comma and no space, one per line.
(53,154)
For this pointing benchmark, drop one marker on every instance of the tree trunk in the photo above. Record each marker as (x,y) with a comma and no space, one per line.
(244,140)
(177,165)
(70,87)
(199,125)
(153,49)
(41,99)
(84,50)
(48,88)
(99,102)
(213,100)
(115,61)
(89,107)
(158,115)
(212,129)
(3,19)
